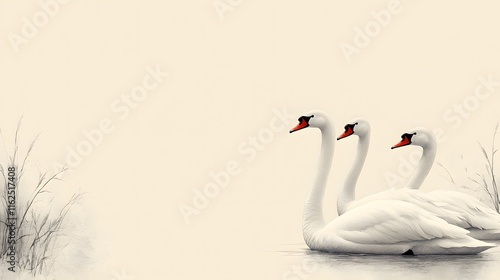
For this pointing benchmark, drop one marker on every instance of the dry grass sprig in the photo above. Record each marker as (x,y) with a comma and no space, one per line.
(38,229)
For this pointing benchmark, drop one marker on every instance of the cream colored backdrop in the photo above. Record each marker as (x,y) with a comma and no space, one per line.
(230,67)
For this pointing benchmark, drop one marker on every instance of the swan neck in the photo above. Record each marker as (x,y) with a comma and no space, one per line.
(347,192)
(313,219)
(423,167)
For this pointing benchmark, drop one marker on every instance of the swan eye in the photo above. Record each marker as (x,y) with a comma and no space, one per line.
(305,118)
(351,126)
(407,136)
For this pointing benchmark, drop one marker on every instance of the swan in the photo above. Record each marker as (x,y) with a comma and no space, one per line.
(469,213)
(361,128)
(346,199)
(454,207)
(377,227)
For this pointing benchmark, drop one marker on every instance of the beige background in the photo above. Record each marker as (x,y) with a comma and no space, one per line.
(226,78)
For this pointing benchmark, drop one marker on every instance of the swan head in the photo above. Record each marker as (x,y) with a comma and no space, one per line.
(316,119)
(419,136)
(358,126)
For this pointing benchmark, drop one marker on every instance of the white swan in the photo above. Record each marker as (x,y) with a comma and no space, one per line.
(454,207)
(346,198)
(467,211)
(377,227)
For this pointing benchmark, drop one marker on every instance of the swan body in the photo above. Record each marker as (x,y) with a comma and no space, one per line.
(454,207)
(461,209)
(386,226)
(393,227)
(346,200)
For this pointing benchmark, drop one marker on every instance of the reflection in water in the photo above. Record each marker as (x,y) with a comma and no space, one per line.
(482,266)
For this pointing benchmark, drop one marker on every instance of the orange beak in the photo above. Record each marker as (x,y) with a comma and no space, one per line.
(347,132)
(303,124)
(402,143)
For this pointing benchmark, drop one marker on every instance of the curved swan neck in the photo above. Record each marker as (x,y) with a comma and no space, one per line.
(313,210)
(347,192)
(423,167)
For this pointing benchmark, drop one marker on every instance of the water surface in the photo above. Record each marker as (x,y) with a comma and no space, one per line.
(307,264)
